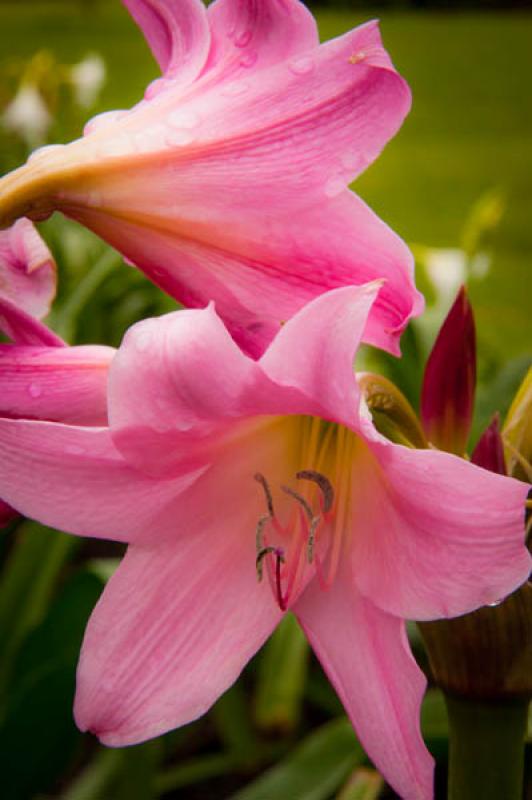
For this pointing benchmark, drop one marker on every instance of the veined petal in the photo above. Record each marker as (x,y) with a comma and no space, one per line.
(262,271)
(433,535)
(27,269)
(314,352)
(253,34)
(177,32)
(65,384)
(24,329)
(365,653)
(74,479)
(173,629)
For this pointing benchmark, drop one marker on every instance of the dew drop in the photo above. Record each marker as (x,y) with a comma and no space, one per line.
(334,186)
(351,159)
(34,390)
(185,118)
(235,89)
(243,38)
(102,121)
(118,146)
(179,136)
(154,88)
(302,65)
(43,152)
(74,450)
(143,341)
(249,59)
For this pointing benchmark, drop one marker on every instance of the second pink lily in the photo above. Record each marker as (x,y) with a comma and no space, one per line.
(228,182)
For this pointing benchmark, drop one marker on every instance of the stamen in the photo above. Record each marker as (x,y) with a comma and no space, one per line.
(300,499)
(324,484)
(259,541)
(311,538)
(259,477)
(277,551)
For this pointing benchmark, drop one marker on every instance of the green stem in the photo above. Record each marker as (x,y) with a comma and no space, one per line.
(487,745)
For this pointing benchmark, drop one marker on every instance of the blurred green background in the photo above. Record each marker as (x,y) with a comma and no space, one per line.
(456,184)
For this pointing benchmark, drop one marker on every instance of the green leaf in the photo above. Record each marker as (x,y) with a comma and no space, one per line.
(282,677)
(38,737)
(314,770)
(363,784)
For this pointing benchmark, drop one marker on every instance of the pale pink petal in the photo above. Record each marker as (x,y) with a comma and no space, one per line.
(21,327)
(262,271)
(254,34)
(174,628)
(433,535)
(177,32)
(65,384)
(27,269)
(366,656)
(314,352)
(74,479)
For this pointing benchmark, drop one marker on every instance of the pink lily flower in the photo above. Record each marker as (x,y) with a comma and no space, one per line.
(228,182)
(249,488)
(40,377)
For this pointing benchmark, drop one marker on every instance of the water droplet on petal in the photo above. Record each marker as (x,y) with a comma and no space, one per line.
(74,450)
(302,65)
(185,118)
(249,59)
(143,340)
(334,186)
(102,121)
(117,146)
(351,160)
(243,38)
(179,136)
(34,390)
(154,88)
(43,152)
(235,89)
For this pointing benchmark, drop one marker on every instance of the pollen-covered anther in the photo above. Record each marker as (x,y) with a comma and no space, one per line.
(323,483)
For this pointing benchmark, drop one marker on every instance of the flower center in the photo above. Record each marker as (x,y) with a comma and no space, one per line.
(305,539)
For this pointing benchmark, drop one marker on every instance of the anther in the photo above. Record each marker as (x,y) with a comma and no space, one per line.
(259,541)
(259,477)
(324,484)
(277,551)
(300,499)
(311,538)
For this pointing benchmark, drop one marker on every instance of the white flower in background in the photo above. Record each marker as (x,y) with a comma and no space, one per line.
(27,115)
(87,78)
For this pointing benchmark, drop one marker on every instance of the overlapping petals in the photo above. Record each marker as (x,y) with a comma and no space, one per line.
(420,533)
(228,182)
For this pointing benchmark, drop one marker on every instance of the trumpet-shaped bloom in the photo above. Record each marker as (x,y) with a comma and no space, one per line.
(248,488)
(40,377)
(228,181)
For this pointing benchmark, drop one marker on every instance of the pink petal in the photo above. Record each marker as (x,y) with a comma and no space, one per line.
(177,32)
(433,535)
(283,263)
(74,479)
(21,327)
(174,628)
(65,384)
(314,352)
(253,34)
(27,269)
(448,393)
(366,656)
